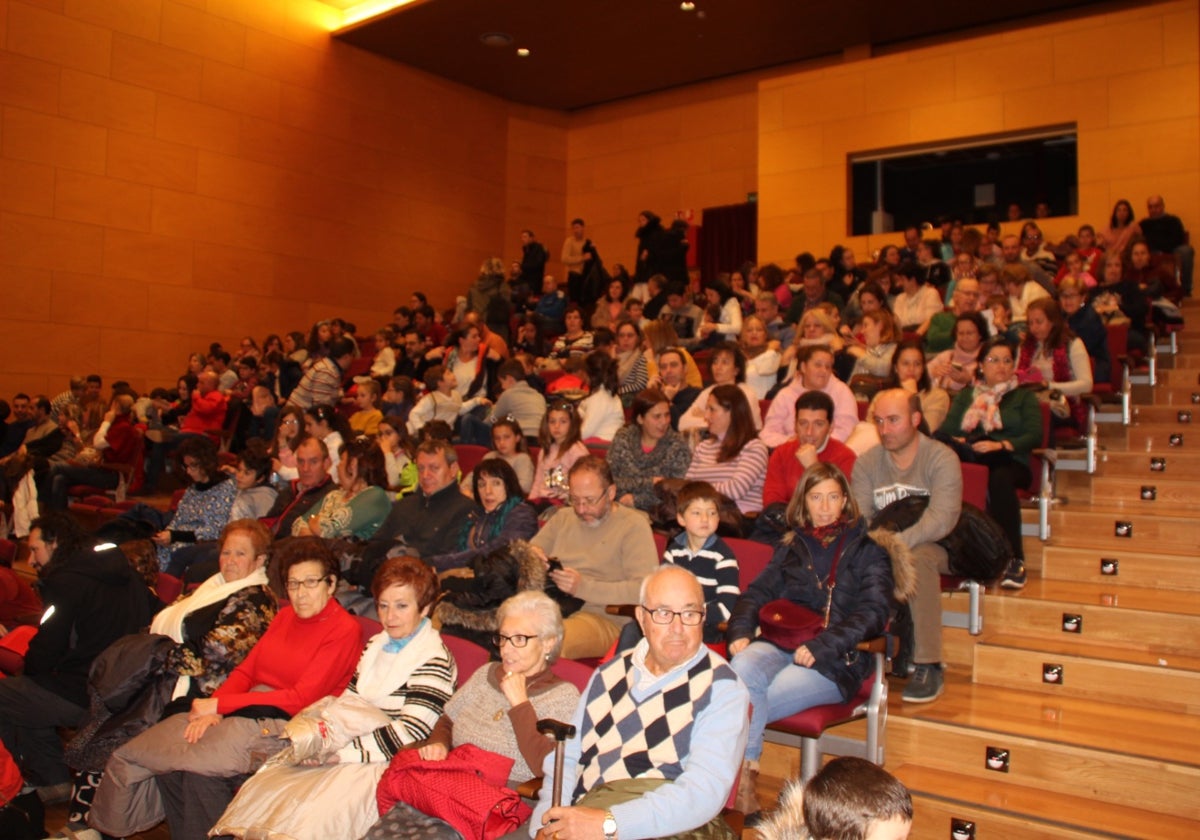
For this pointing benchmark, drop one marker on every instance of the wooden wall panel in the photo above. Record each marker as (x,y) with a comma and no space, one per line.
(1137,112)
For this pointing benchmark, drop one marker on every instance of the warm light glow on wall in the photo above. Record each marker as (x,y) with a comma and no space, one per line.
(369,9)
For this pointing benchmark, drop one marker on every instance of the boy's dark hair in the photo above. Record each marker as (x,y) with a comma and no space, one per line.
(433,376)
(94,377)
(603,337)
(696,491)
(849,794)
(511,368)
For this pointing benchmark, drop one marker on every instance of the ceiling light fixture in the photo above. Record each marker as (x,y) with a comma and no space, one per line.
(523,52)
(687,5)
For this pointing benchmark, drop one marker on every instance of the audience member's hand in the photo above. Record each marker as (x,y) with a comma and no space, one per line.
(572,823)
(198,726)
(804,657)
(433,752)
(566,579)
(806,454)
(737,646)
(626,500)
(513,686)
(162,538)
(984,446)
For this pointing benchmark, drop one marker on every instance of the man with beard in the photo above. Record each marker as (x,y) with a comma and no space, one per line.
(604,550)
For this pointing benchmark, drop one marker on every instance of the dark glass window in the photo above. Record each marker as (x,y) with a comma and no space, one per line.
(977,180)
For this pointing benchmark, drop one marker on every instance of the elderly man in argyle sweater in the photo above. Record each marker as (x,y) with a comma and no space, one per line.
(659,733)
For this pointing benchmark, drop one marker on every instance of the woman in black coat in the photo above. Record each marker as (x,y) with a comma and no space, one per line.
(828,563)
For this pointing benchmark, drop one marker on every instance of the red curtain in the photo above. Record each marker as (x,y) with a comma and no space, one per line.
(728,237)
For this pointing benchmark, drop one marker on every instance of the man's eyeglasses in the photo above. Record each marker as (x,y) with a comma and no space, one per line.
(517,640)
(585,501)
(997,360)
(662,615)
(307,583)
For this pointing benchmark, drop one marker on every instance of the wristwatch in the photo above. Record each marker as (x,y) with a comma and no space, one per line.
(609,826)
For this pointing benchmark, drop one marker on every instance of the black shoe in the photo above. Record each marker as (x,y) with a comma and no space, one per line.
(926,685)
(1014,576)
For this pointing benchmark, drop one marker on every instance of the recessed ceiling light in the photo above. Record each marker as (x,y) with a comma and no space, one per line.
(523,52)
(496,39)
(687,5)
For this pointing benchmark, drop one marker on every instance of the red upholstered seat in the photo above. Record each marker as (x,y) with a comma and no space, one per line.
(812,722)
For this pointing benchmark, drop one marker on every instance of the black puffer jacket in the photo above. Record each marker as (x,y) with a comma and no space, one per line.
(862,602)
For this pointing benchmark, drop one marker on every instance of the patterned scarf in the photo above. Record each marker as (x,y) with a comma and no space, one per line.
(984,412)
(826,534)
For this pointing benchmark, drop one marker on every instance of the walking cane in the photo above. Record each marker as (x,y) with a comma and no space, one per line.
(561,732)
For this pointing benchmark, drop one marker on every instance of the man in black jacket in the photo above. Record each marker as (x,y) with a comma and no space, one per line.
(533,259)
(92,597)
(428,522)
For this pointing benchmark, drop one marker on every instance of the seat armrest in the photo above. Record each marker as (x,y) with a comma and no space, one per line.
(626,610)
(530,789)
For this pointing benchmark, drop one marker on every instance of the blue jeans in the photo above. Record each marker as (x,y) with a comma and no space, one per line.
(778,688)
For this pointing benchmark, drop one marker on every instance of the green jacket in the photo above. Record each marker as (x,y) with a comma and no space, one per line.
(1019,412)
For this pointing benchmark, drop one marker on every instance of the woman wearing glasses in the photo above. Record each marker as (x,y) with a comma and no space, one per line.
(324,786)
(181,768)
(829,564)
(998,423)
(498,708)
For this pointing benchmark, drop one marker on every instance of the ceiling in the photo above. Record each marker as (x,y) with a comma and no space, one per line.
(586,52)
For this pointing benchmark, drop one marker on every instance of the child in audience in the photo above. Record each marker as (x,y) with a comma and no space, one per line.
(366,419)
(850,799)
(384,363)
(510,444)
(398,452)
(561,448)
(399,399)
(998,313)
(442,401)
(698,549)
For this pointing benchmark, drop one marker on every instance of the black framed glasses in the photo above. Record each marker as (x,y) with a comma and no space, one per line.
(662,615)
(517,640)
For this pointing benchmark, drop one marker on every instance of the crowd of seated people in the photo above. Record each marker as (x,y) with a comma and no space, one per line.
(595,413)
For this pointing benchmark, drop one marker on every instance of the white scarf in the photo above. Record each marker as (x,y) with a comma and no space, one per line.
(169,621)
(380,673)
